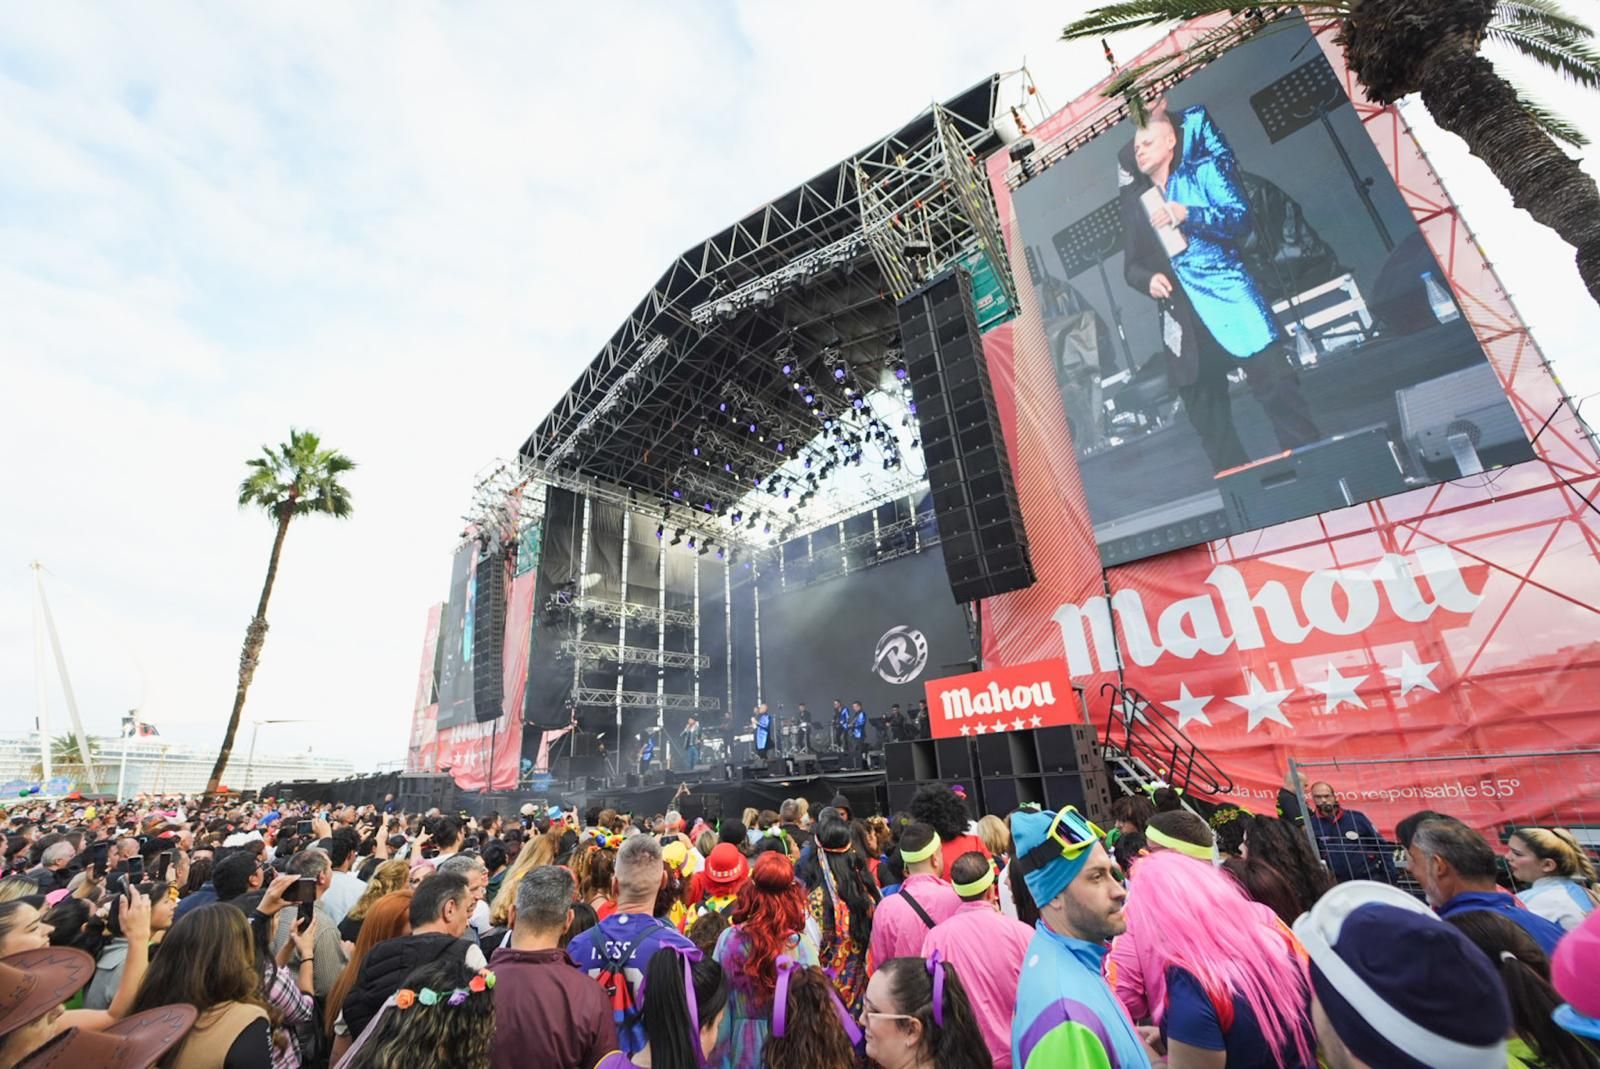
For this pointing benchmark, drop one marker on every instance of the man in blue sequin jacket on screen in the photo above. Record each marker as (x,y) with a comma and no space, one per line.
(1184,214)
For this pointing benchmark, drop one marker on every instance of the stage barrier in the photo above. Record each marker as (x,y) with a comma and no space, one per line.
(1494,792)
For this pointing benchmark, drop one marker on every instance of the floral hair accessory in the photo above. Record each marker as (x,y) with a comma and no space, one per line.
(457,997)
(405,998)
(428,996)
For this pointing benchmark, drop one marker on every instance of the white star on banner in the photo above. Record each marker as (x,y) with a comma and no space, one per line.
(1189,707)
(1261,703)
(965,730)
(1016,724)
(1339,689)
(1038,721)
(981,728)
(1411,675)
(999,726)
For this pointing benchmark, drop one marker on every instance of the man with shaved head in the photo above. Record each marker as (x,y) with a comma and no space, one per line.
(1350,846)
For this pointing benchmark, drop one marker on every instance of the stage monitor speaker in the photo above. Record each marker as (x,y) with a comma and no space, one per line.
(1069,748)
(1003,796)
(1090,792)
(980,523)
(1345,470)
(910,761)
(488,638)
(955,758)
(1011,753)
(830,763)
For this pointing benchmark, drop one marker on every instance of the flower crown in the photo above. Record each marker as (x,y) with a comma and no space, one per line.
(406,998)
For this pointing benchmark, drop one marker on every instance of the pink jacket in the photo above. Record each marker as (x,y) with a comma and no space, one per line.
(897,931)
(987,950)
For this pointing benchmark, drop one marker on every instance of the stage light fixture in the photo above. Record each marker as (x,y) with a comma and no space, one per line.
(720,554)
(788,369)
(727,467)
(691,541)
(677,493)
(917,250)
(752,428)
(780,447)
(900,371)
(1020,153)
(859,403)
(677,536)
(722,406)
(838,374)
(738,516)
(696,450)
(726,309)
(766,528)
(810,397)
(660,531)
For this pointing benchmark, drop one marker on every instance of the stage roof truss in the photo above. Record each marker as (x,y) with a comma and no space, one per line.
(644,699)
(805,279)
(611,653)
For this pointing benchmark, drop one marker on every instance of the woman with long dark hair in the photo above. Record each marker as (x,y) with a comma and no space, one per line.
(1525,972)
(841,901)
(769,921)
(916,1013)
(810,1025)
(1284,846)
(442,1018)
(682,1032)
(208,960)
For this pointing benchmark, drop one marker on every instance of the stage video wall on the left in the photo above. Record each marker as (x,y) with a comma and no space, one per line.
(1245,323)
(455,655)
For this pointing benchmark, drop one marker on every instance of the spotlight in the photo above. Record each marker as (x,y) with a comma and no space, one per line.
(691,541)
(677,493)
(696,450)
(726,309)
(726,466)
(677,536)
(849,391)
(838,374)
(917,250)
(900,371)
(660,531)
(788,369)
(737,516)
(752,428)
(766,528)
(859,403)
(780,447)
(810,397)
(722,406)
(720,554)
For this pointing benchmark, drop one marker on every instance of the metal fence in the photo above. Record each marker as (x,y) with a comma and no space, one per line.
(1494,792)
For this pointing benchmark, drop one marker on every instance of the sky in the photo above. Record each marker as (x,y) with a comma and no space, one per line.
(408,227)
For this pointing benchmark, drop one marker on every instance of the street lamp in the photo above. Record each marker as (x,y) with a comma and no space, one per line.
(255,727)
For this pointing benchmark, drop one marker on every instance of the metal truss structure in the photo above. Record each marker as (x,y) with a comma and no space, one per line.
(610,653)
(616,612)
(644,699)
(807,282)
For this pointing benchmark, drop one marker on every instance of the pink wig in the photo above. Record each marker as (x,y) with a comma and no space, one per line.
(1193,915)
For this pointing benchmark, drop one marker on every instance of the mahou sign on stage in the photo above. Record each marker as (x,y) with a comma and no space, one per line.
(1021,697)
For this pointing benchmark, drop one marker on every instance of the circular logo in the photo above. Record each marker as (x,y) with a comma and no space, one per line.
(901,655)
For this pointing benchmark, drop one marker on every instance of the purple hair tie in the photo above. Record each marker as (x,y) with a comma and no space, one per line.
(690,956)
(937,973)
(780,1003)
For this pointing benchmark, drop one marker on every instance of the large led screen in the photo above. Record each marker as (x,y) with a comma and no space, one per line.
(1245,323)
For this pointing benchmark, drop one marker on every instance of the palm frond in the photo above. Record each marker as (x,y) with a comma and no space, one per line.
(1545,13)
(1549,121)
(1132,14)
(1567,54)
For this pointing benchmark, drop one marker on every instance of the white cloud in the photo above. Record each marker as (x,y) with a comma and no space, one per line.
(408,227)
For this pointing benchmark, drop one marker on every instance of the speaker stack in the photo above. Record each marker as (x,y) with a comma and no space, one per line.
(1051,767)
(488,638)
(980,524)
(910,766)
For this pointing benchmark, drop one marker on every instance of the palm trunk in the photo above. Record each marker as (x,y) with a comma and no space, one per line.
(1465,96)
(254,636)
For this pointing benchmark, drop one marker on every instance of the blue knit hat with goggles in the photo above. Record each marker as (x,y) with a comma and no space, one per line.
(1052,848)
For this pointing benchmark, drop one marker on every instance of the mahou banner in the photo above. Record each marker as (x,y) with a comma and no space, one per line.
(1024,696)
(1401,647)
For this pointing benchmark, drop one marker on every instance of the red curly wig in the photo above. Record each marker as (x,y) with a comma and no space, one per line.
(769,912)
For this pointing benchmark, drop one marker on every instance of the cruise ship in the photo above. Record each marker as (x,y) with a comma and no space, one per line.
(158,767)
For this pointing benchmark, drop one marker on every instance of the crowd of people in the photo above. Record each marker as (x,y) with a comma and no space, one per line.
(295,936)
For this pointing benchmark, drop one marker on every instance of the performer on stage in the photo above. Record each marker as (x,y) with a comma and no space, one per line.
(899,726)
(764,733)
(857,733)
(647,752)
(691,744)
(802,727)
(1184,216)
(841,724)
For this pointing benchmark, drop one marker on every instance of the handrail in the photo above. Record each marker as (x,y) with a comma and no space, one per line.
(1150,736)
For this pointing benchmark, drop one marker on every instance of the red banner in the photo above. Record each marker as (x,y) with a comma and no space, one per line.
(488,756)
(1018,698)
(1456,619)
(422,753)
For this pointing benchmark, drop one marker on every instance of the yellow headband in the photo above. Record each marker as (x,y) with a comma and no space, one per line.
(1161,838)
(911,857)
(978,886)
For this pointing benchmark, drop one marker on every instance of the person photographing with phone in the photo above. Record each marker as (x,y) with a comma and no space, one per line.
(313,873)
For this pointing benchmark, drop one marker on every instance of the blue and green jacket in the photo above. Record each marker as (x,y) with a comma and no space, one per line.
(1066,1013)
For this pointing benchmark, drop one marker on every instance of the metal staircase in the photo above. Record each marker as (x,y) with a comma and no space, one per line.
(1144,748)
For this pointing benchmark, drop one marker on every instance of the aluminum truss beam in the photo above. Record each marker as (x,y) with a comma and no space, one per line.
(615,611)
(610,653)
(644,699)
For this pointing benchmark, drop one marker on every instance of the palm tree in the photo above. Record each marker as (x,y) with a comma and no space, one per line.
(297,478)
(66,759)
(1431,47)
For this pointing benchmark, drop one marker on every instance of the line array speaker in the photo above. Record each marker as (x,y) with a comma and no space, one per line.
(969,474)
(488,638)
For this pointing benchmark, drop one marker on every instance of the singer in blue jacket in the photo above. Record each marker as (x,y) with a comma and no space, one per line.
(1213,316)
